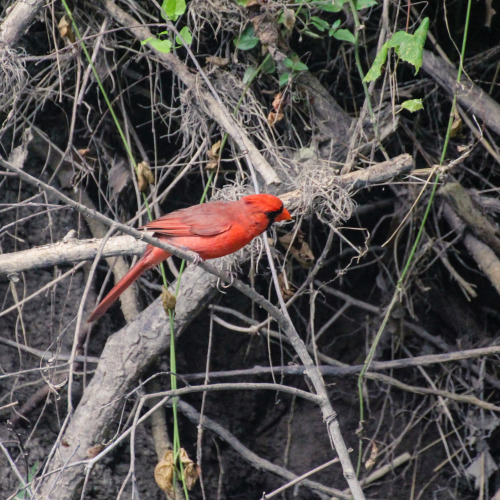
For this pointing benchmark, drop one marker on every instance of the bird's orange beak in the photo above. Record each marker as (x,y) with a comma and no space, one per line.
(285,215)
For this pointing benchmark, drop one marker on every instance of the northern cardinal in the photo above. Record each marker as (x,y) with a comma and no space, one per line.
(211,230)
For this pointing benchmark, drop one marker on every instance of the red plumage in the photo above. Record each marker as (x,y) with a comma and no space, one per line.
(211,230)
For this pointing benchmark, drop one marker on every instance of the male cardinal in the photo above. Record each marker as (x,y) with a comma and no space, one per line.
(211,230)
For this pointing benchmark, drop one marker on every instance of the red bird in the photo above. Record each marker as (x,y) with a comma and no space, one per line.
(211,230)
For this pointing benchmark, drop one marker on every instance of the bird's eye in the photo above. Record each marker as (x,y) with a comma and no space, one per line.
(272,214)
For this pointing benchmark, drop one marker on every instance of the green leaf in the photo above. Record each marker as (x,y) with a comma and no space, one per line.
(173,9)
(420,37)
(398,38)
(23,495)
(331,5)
(163,46)
(319,24)
(310,33)
(294,64)
(284,79)
(364,4)
(344,35)
(376,70)
(247,39)
(408,47)
(335,25)
(268,66)
(186,36)
(299,66)
(421,33)
(412,105)
(249,74)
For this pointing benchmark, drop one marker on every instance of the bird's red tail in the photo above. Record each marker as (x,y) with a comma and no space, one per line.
(152,256)
(140,267)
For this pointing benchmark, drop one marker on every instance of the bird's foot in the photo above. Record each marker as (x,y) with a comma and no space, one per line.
(196,259)
(223,284)
(195,256)
(232,276)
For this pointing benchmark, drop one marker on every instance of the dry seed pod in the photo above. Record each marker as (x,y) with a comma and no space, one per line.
(144,176)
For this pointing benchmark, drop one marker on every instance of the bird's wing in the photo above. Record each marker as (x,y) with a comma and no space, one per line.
(208,219)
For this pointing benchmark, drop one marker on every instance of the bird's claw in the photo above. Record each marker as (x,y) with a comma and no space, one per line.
(196,259)
(222,284)
(232,275)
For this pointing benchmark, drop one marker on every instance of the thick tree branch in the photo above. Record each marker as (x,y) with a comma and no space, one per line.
(68,251)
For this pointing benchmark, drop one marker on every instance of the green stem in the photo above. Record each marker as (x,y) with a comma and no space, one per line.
(357,58)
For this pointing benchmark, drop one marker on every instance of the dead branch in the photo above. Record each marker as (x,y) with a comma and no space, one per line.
(342,371)
(473,99)
(18,20)
(67,251)
(480,251)
(486,259)
(379,173)
(477,222)
(459,398)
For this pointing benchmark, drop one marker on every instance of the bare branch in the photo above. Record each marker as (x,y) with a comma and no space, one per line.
(68,251)
(469,95)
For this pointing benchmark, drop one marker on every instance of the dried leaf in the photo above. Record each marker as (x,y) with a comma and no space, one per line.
(287,289)
(211,165)
(168,299)
(253,3)
(144,176)
(214,150)
(213,156)
(481,468)
(289,19)
(298,248)
(191,470)
(273,118)
(373,457)
(164,471)
(217,61)
(65,29)
(456,126)
(266,29)
(278,102)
